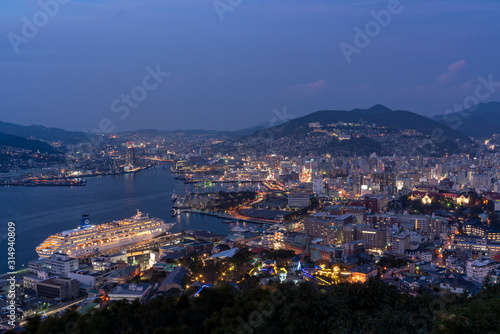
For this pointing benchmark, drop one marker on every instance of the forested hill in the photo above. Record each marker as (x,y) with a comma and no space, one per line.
(373,308)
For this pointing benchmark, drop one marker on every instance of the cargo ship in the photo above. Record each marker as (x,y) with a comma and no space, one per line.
(54,182)
(88,239)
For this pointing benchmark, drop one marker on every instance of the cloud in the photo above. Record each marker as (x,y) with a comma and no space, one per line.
(305,90)
(451,74)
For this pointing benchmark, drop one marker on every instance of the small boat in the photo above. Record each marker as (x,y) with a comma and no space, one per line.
(228,221)
(174,196)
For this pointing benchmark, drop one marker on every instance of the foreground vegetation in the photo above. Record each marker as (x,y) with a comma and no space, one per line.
(287,308)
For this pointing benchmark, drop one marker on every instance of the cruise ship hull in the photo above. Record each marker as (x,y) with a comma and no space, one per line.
(124,243)
(89,240)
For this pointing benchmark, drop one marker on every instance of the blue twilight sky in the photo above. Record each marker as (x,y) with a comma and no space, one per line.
(230,73)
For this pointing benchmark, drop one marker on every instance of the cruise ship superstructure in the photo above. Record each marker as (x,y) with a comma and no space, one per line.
(89,239)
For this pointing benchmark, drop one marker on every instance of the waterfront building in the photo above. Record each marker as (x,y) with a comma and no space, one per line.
(130,156)
(56,265)
(109,262)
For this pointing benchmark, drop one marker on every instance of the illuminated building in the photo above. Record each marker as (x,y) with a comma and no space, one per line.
(130,156)
(57,265)
(327,227)
(477,270)
(354,247)
(363,273)
(400,243)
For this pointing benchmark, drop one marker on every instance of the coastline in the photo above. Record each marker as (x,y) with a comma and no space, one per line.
(27,184)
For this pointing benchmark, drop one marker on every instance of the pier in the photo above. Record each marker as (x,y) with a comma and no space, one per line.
(232,217)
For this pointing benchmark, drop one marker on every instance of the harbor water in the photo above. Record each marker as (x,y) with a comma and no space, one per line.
(41,211)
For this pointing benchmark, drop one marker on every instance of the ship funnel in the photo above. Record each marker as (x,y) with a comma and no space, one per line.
(85,222)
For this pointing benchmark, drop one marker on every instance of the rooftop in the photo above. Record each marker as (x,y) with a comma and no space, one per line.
(123,272)
(130,289)
(176,276)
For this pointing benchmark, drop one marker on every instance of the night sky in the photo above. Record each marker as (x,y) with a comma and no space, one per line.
(227,64)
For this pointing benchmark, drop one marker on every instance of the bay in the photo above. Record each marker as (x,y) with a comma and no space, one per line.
(42,211)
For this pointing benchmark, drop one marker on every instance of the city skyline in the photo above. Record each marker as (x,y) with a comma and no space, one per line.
(231,166)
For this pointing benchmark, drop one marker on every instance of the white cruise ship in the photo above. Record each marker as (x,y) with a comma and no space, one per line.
(239,229)
(88,239)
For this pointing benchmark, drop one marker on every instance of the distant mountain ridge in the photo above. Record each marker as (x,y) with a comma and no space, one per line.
(41,132)
(480,121)
(27,144)
(379,114)
(393,121)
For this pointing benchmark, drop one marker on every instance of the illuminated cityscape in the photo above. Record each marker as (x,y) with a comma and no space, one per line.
(187,208)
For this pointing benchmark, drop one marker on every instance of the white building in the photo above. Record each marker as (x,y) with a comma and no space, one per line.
(130,292)
(425,256)
(477,270)
(90,277)
(57,265)
(61,264)
(318,186)
(108,262)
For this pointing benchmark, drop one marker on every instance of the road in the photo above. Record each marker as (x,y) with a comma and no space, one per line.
(59,308)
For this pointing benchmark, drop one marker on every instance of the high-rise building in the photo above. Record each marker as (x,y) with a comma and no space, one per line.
(400,243)
(327,227)
(130,156)
(373,238)
(318,186)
